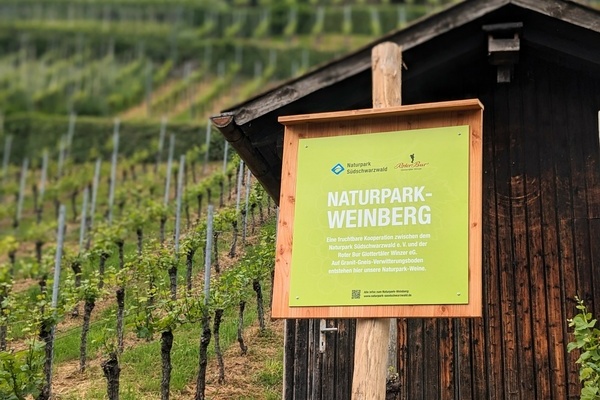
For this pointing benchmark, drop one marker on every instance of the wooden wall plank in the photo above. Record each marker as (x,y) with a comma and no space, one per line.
(301,366)
(345,358)
(557,116)
(446,367)
(569,280)
(403,359)
(329,360)
(590,173)
(591,91)
(415,383)
(550,240)
(461,330)
(532,138)
(431,372)
(491,360)
(518,208)
(479,386)
(594,225)
(288,359)
(582,261)
(315,377)
(505,248)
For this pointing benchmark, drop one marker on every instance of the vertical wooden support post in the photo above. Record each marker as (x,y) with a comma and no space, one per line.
(372,335)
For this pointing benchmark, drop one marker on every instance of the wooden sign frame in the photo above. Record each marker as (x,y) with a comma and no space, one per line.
(377,120)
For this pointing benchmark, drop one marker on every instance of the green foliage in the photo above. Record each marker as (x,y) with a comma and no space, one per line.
(148,271)
(259,260)
(156,210)
(10,188)
(6,300)
(21,372)
(89,289)
(42,232)
(194,238)
(8,244)
(103,239)
(231,287)
(262,29)
(6,210)
(34,132)
(139,214)
(272,373)
(163,103)
(587,341)
(174,313)
(218,85)
(257,195)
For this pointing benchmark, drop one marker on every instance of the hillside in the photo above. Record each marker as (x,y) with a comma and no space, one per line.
(136,251)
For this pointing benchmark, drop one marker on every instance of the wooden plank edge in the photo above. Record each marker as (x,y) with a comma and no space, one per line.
(414,109)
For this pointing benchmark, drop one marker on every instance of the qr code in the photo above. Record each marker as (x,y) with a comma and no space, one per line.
(356,294)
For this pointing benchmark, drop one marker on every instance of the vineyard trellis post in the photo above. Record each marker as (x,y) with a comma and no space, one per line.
(61,156)
(95,184)
(6,156)
(48,324)
(161,141)
(238,192)
(225,151)
(42,189)
(71,132)
(205,336)
(148,87)
(22,183)
(235,221)
(169,168)
(207,147)
(245,211)
(179,199)
(86,195)
(164,211)
(113,170)
(173,268)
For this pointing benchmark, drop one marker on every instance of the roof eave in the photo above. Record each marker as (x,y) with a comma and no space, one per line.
(253,159)
(416,33)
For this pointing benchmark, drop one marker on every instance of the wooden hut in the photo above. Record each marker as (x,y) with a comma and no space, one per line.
(535,66)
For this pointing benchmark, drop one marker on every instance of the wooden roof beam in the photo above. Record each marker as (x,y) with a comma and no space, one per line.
(259,167)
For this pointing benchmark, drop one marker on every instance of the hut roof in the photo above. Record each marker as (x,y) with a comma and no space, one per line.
(456,37)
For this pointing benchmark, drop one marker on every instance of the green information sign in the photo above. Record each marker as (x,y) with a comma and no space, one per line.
(384,219)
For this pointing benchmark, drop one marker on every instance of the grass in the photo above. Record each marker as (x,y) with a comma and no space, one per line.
(271,375)
(141,373)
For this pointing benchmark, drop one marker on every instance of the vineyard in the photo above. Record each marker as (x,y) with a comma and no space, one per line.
(136,250)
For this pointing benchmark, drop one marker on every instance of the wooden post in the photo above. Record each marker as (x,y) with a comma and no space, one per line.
(372,335)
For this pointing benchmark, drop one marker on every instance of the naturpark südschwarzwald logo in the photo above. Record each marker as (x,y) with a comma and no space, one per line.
(337,169)
(362,167)
(412,165)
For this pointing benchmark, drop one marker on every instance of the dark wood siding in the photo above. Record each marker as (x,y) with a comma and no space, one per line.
(541,197)
(541,248)
(310,374)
